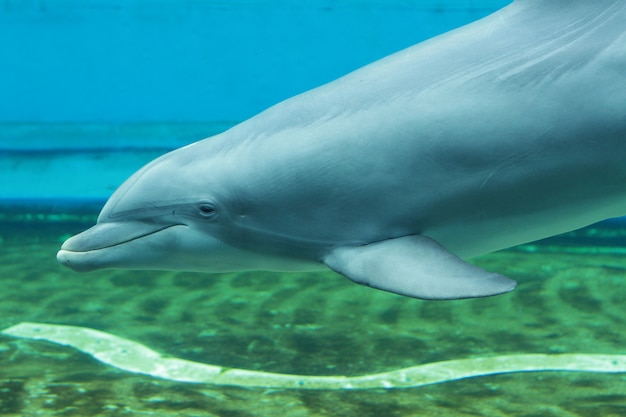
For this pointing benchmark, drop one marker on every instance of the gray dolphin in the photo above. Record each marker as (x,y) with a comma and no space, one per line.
(505,131)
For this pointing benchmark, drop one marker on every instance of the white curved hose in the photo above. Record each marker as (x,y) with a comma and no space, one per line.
(134,357)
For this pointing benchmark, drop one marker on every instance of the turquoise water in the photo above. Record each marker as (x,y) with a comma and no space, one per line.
(98,88)
(136,61)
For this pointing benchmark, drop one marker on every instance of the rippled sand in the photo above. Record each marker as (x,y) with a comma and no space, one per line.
(570,299)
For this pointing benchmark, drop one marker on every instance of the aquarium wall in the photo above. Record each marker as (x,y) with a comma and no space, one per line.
(93,89)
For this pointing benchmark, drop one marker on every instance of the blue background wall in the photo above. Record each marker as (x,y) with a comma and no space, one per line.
(91,90)
(119,61)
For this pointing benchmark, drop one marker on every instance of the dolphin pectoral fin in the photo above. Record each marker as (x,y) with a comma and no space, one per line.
(415,266)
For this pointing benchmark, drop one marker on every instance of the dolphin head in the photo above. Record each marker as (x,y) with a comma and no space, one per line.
(179,212)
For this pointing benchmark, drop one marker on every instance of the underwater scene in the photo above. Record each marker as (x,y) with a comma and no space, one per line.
(96,89)
(569,301)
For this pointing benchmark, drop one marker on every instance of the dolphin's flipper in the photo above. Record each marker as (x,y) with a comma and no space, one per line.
(415,266)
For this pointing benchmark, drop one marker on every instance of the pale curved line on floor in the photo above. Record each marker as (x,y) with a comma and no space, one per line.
(134,357)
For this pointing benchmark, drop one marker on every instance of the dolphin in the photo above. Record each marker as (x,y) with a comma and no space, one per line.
(504,131)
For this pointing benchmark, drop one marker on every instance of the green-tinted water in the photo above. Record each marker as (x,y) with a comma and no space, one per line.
(570,299)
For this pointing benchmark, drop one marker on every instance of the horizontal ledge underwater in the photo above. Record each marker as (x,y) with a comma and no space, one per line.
(134,357)
(75,137)
(49,209)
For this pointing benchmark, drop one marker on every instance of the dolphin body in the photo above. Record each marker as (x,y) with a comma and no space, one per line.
(505,131)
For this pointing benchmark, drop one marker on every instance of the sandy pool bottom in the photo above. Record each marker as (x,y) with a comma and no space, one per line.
(569,300)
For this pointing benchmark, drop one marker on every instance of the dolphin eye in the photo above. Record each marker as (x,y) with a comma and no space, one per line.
(207,210)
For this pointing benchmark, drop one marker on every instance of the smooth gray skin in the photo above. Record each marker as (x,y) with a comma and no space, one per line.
(505,131)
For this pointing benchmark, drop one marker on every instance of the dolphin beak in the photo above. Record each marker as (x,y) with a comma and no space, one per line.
(77,252)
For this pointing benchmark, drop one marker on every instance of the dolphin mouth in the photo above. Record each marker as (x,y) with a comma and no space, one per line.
(76,252)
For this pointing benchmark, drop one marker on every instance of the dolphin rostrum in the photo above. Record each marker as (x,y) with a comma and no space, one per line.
(505,131)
